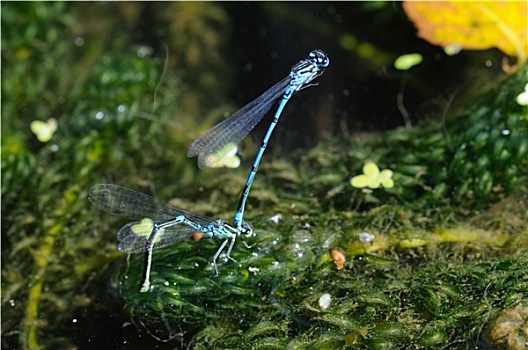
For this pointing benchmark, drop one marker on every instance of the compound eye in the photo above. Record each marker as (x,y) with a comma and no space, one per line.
(324,61)
(247,231)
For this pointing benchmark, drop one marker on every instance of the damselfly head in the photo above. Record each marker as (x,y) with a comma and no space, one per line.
(320,58)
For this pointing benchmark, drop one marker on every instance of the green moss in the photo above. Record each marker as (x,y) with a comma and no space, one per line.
(388,304)
(426,280)
(104,105)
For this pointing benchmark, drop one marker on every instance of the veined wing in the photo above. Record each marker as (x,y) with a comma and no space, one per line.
(133,236)
(123,201)
(209,147)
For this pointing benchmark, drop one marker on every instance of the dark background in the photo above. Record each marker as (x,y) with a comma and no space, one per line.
(358,91)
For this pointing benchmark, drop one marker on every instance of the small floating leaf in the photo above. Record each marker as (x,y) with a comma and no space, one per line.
(406,62)
(372,177)
(225,157)
(522,98)
(44,130)
(143,228)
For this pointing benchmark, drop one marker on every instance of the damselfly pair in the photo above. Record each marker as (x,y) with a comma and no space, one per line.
(160,224)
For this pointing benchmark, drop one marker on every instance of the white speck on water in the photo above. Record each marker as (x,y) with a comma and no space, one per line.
(324,301)
(275,219)
(366,237)
(78,41)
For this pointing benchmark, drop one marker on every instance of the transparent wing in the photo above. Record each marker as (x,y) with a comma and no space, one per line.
(210,146)
(133,236)
(122,201)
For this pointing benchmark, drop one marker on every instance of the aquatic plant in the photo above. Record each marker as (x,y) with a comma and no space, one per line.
(372,177)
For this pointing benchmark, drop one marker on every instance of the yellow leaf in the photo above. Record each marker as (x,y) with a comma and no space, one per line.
(473,25)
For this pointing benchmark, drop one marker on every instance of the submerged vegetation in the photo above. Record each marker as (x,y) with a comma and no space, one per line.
(447,268)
